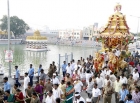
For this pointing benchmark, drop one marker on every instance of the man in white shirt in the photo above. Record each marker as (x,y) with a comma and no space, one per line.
(78,85)
(108,71)
(133,54)
(26,81)
(123,79)
(78,70)
(112,78)
(105,57)
(50,97)
(96,93)
(132,69)
(73,65)
(57,92)
(88,75)
(78,64)
(104,70)
(117,87)
(87,60)
(136,75)
(105,64)
(55,80)
(102,74)
(79,98)
(68,70)
(107,80)
(88,100)
(99,81)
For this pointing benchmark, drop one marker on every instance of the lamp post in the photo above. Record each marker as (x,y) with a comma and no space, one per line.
(8,24)
(138,22)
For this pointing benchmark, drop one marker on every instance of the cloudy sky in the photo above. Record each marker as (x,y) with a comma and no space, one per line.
(62,14)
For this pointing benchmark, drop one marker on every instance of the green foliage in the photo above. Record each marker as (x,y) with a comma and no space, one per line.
(125,54)
(17,26)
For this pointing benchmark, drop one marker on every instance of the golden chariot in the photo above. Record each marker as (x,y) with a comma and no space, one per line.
(115,36)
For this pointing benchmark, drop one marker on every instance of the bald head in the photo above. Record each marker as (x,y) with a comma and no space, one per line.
(107,77)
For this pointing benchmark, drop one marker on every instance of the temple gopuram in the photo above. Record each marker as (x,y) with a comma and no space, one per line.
(115,38)
(36,42)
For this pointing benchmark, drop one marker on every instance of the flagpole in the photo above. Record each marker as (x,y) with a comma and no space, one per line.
(8,24)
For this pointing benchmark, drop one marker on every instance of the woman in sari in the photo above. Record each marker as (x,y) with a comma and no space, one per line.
(41,82)
(69,94)
(9,98)
(39,90)
(19,96)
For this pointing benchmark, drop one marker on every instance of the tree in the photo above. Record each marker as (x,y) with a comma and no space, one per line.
(17,26)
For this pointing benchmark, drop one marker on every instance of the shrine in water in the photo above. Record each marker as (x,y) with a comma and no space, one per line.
(36,42)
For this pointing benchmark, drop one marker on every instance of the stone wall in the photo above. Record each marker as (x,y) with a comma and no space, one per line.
(12,41)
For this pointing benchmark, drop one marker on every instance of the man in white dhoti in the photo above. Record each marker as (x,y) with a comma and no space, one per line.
(26,81)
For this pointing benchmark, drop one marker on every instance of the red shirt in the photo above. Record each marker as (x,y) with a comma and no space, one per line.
(131,63)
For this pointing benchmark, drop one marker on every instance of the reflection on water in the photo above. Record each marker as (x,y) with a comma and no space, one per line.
(24,58)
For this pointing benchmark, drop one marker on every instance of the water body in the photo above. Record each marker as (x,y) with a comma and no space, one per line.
(24,58)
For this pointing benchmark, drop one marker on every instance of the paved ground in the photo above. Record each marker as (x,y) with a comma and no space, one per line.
(101,101)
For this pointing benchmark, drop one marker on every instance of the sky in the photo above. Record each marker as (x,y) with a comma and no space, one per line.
(64,14)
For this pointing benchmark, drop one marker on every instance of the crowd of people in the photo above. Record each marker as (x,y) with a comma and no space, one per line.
(77,78)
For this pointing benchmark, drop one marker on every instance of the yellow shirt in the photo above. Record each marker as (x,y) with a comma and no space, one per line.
(63,88)
(117,86)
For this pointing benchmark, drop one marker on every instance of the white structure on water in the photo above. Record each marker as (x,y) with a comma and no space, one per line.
(36,42)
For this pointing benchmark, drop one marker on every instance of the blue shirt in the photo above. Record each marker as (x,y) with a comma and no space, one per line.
(39,69)
(31,72)
(123,94)
(64,67)
(7,86)
(17,74)
(131,101)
